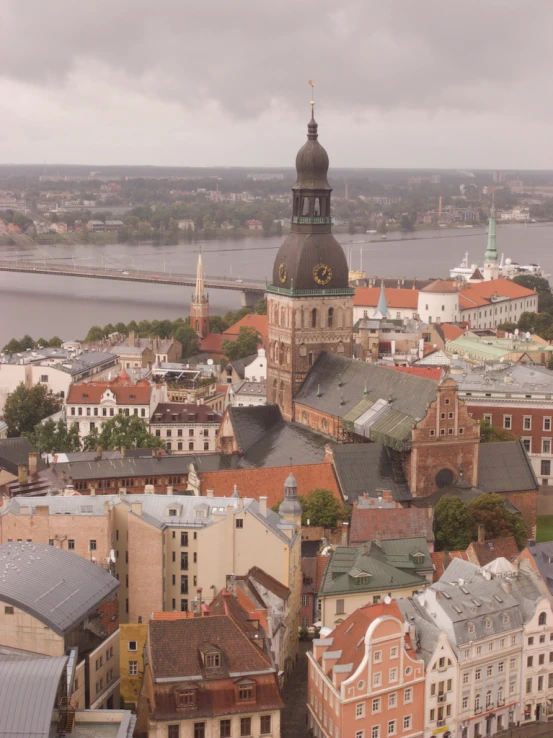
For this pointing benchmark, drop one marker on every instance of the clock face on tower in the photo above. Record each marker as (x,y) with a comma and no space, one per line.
(282,273)
(322,274)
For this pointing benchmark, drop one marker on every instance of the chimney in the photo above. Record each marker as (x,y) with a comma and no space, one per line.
(99,452)
(22,474)
(122,491)
(262,505)
(93,491)
(63,477)
(149,489)
(170,490)
(345,530)
(231,584)
(136,508)
(106,507)
(33,463)
(199,603)
(329,453)
(123,452)
(209,493)
(481,533)
(446,559)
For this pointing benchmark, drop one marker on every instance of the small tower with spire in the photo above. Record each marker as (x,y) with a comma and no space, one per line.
(491,261)
(199,309)
(290,507)
(382,308)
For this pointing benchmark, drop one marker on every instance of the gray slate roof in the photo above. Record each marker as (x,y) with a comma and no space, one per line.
(250,423)
(28,687)
(239,365)
(347,562)
(505,467)
(15,451)
(369,467)
(409,393)
(542,553)
(426,630)
(56,586)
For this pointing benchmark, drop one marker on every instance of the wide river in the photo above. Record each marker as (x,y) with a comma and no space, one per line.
(43,305)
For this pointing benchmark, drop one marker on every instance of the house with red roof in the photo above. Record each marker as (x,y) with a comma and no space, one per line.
(365,679)
(90,404)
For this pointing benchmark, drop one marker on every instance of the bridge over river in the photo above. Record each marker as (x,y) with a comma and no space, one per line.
(250,289)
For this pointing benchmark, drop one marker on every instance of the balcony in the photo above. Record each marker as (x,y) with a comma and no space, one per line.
(441,697)
(477,711)
(500,703)
(441,723)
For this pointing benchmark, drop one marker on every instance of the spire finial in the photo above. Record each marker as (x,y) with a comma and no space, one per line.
(312,85)
(312,125)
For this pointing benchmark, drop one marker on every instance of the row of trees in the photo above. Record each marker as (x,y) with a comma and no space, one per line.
(540,323)
(28,343)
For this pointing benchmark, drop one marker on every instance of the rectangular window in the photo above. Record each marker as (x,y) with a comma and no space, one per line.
(92,545)
(393,674)
(340,607)
(407,722)
(199,730)
(173,731)
(527,422)
(360,710)
(529,686)
(377,679)
(508,422)
(527,443)
(392,700)
(245,726)
(239,522)
(547,424)
(376,705)
(132,646)
(545,467)
(546,445)
(224,729)
(265,724)
(394,651)
(408,695)
(392,729)
(377,658)
(71,544)
(375,731)
(133,668)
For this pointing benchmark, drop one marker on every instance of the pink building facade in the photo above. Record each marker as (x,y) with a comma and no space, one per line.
(365,680)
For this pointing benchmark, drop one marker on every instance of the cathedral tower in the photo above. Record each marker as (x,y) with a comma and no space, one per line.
(309,301)
(199,309)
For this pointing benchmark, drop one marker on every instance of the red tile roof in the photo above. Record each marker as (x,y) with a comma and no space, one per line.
(483,553)
(259,322)
(450,331)
(322,563)
(213,343)
(175,646)
(438,559)
(126,392)
(395,298)
(481,293)
(269,481)
(367,524)
(177,412)
(430,372)
(439,287)
(347,636)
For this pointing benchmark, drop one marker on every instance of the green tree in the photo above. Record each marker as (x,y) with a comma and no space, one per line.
(490,434)
(189,340)
(320,507)
(121,328)
(260,307)
(489,510)
(526,322)
(54,438)
(245,345)
(217,324)
(55,342)
(96,333)
(406,223)
(122,430)
(532,282)
(452,524)
(26,407)
(507,327)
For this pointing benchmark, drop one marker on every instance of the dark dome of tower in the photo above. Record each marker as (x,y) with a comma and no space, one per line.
(312,162)
(311,258)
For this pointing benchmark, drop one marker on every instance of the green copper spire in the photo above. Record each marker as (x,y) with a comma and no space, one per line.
(382,308)
(491,250)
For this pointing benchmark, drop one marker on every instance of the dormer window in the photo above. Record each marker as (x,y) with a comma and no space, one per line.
(85,394)
(185,698)
(245,690)
(213,660)
(132,397)
(173,512)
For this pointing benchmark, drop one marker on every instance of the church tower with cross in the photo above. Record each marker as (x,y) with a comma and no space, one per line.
(199,309)
(309,300)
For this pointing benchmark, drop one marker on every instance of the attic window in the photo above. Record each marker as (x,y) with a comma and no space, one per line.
(213,660)
(246,691)
(498,598)
(132,397)
(85,394)
(457,609)
(362,580)
(464,590)
(505,618)
(173,512)
(470,627)
(446,595)
(475,602)
(186,698)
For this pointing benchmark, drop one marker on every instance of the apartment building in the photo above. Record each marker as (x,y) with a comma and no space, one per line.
(53,602)
(186,428)
(164,548)
(365,678)
(132,642)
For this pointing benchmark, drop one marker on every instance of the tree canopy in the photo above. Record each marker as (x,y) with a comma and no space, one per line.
(320,507)
(245,345)
(189,340)
(54,438)
(491,434)
(25,407)
(122,430)
(456,523)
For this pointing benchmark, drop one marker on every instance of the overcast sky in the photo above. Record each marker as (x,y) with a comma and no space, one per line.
(399,83)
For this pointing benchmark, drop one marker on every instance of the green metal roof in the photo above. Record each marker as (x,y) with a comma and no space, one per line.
(349,562)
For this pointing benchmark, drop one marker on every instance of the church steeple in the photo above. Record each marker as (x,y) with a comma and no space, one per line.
(491,268)
(199,310)
(309,300)
(382,308)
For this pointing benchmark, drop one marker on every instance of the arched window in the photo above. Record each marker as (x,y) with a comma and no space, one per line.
(443,308)
(317,207)
(305,208)
(330,317)
(314,318)
(197,326)
(542,620)
(488,698)
(281,394)
(274,391)
(303,350)
(281,354)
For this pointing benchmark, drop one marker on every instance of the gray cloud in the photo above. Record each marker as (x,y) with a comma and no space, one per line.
(422,64)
